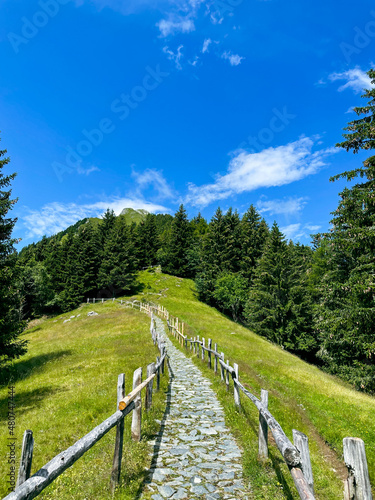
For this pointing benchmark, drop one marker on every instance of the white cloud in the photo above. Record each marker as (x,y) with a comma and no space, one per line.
(298,232)
(356,79)
(292,231)
(55,217)
(289,206)
(175,25)
(154,178)
(268,168)
(174,56)
(207,42)
(86,171)
(234,59)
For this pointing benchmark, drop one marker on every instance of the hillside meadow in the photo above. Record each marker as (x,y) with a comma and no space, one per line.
(66,385)
(301,396)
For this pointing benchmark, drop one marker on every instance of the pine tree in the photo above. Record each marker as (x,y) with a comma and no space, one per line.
(11,326)
(254,233)
(267,306)
(346,312)
(118,266)
(177,256)
(147,241)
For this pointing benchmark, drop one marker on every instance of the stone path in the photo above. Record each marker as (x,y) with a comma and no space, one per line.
(194,455)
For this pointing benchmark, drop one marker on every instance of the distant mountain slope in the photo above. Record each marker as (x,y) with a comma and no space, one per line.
(134,215)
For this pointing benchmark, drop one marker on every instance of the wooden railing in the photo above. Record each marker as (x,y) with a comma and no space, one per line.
(297,457)
(29,487)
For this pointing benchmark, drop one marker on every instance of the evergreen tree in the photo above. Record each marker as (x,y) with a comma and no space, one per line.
(118,266)
(346,313)
(177,255)
(11,325)
(147,241)
(268,303)
(254,233)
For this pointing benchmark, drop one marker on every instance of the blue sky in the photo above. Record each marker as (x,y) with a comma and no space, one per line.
(153,103)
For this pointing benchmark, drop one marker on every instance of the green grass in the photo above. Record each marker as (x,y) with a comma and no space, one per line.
(66,385)
(300,395)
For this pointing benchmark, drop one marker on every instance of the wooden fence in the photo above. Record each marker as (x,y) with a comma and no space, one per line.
(297,457)
(29,487)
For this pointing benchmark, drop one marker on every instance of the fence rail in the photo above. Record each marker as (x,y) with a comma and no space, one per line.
(30,487)
(297,457)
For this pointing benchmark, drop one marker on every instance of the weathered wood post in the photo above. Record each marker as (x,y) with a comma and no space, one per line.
(198,347)
(209,353)
(357,486)
(117,457)
(203,346)
(26,458)
(102,301)
(227,376)
(263,428)
(222,367)
(236,389)
(301,442)
(93,301)
(150,371)
(158,374)
(215,362)
(163,362)
(137,412)
(88,301)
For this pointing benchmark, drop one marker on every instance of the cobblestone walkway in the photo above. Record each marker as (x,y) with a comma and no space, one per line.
(194,455)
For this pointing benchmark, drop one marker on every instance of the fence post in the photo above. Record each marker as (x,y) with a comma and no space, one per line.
(137,412)
(150,371)
(215,362)
(88,301)
(203,345)
(209,353)
(94,300)
(357,486)
(117,457)
(236,390)
(198,347)
(162,365)
(222,367)
(263,428)
(26,458)
(157,374)
(102,301)
(227,376)
(301,442)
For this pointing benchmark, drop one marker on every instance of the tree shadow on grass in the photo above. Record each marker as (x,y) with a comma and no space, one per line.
(23,369)
(26,401)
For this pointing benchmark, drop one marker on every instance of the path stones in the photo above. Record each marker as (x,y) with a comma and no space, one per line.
(194,454)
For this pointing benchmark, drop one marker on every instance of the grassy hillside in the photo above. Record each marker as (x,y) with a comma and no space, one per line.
(66,385)
(300,395)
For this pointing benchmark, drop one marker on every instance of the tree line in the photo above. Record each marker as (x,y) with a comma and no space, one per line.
(316,301)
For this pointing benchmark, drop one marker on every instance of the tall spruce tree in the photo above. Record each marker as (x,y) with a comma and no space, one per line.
(118,266)
(254,232)
(346,311)
(11,325)
(177,255)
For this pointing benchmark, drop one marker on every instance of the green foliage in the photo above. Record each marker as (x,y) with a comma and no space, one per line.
(345,263)
(118,264)
(11,324)
(278,306)
(176,259)
(230,293)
